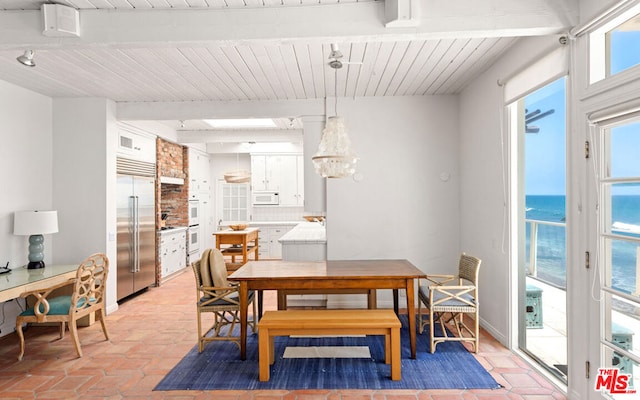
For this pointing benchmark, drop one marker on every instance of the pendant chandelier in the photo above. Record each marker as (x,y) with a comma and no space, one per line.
(334,158)
(238,175)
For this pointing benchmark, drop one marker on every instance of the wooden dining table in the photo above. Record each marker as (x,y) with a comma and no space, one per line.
(328,275)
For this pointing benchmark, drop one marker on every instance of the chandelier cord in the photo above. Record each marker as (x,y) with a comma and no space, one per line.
(335,91)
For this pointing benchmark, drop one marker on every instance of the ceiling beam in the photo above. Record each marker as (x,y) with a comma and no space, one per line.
(185,110)
(353,22)
(235,136)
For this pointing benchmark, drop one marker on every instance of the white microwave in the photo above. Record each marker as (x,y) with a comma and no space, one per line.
(266,198)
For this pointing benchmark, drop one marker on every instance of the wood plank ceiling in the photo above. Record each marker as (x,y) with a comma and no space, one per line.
(227,70)
(256,72)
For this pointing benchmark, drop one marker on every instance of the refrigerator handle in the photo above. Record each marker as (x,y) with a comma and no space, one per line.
(137,234)
(132,230)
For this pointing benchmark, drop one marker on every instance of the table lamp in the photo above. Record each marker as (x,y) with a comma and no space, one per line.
(35,224)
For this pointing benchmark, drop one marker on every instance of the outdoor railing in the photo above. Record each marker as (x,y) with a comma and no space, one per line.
(550,246)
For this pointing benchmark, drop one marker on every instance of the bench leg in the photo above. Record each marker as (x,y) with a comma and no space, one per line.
(395,354)
(272,351)
(387,348)
(264,351)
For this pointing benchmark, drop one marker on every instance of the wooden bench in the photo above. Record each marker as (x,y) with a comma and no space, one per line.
(329,322)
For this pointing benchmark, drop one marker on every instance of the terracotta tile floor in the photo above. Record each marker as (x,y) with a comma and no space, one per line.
(153,331)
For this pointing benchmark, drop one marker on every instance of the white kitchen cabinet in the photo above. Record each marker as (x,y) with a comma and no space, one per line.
(137,146)
(269,246)
(173,250)
(259,178)
(207,226)
(275,233)
(199,174)
(282,173)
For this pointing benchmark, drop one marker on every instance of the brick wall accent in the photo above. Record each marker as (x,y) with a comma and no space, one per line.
(171,160)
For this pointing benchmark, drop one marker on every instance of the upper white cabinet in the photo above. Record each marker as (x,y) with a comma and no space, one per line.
(136,146)
(282,173)
(259,175)
(199,173)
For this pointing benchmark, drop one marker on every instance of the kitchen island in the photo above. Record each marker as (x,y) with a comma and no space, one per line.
(241,244)
(307,241)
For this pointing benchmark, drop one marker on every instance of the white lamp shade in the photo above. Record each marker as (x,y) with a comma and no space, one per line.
(35,222)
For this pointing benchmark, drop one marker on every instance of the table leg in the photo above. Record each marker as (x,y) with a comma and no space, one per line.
(396,308)
(255,246)
(260,300)
(372,299)
(244,250)
(411,314)
(282,299)
(244,308)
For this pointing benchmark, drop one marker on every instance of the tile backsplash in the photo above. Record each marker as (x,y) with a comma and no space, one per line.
(277,213)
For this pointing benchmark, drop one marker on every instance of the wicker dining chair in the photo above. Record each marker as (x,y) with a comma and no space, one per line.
(448,298)
(87,297)
(216,295)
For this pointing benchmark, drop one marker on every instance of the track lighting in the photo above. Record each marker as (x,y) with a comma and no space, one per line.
(27,58)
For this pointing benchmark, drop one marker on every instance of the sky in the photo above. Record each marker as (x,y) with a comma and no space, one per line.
(545,168)
(546,151)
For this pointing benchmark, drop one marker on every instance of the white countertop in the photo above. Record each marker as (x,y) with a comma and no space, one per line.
(273,223)
(305,232)
(175,229)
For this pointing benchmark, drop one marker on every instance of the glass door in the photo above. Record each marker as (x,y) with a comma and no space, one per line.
(541,225)
(619,260)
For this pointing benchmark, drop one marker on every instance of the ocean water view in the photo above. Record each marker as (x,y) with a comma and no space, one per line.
(551,239)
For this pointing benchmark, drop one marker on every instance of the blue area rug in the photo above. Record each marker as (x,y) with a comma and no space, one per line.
(219,367)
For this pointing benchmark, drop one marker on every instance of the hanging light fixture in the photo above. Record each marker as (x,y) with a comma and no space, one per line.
(27,58)
(238,175)
(334,158)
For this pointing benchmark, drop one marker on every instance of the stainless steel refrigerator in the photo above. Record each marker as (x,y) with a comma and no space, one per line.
(136,242)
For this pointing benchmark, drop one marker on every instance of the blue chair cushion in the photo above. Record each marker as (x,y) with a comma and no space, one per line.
(57,306)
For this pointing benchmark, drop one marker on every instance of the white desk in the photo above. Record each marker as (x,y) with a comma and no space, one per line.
(21,280)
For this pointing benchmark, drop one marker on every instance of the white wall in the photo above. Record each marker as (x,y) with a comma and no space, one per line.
(483,231)
(25,159)
(406,204)
(84,176)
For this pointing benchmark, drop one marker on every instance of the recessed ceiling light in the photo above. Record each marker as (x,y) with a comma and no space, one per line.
(241,123)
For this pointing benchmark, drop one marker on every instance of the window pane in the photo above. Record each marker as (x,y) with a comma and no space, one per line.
(623,203)
(624,46)
(624,151)
(622,258)
(624,325)
(626,366)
